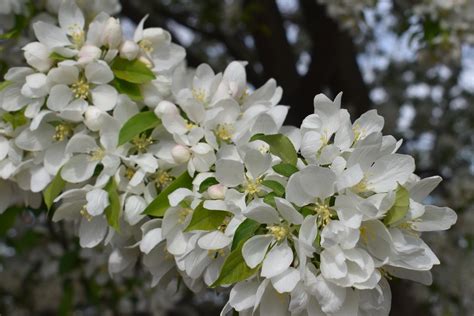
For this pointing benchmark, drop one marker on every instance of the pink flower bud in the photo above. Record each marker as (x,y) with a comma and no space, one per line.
(217,191)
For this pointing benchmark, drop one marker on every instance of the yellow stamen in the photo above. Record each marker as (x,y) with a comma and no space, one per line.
(324,213)
(278,232)
(163,178)
(129,173)
(142,142)
(224,132)
(360,187)
(190,125)
(62,131)
(222,227)
(252,186)
(199,95)
(77,36)
(84,213)
(183,214)
(146,45)
(80,89)
(97,155)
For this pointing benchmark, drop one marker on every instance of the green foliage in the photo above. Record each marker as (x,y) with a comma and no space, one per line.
(204,219)
(280,145)
(160,204)
(275,186)
(133,71)
(245,230)
(137,124)
(16,119)
(207,183)
(132,90)
(53,190)
(7,219)
(285,169)
(234,269)
(399,208)
(113,211)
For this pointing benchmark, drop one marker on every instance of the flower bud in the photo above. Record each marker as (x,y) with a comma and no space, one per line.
(89,53)
(93,118)
(112,33)
(180,154)
(166,108)
(217,191)
(37,56)
(129,50)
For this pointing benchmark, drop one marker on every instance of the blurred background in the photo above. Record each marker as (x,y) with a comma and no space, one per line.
(413,61)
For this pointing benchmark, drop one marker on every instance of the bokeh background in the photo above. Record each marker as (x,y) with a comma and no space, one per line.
(376,52)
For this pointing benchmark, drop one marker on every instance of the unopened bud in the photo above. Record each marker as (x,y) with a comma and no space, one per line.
(166,108)
(180,154)
(217,191)
(129,50)
(93,118)
(112,34)
(89,53)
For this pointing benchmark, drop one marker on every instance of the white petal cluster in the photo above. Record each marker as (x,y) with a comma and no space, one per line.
(194,172)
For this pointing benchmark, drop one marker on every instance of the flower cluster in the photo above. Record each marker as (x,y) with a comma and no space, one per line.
(194,172)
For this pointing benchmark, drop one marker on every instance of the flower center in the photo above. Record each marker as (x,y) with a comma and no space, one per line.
(224,131)
(97,155)
(278,232)
(142,142)
(129,173)
(84,213)
(361,186)
(77,35)
(183,214)
(252,186)
(190,125)
(146,45)
(163,178)
(324,213)
(62,132)
(199,95)
(80,89)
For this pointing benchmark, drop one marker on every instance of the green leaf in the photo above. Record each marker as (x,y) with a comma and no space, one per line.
(161,203)
(137,124)
(307,210)
(285,169)
(133,71)
(234,269)
(245,230)
(270,199)
(68,262)
(53,190)
(207,183)
(280,145)
(276,187)
(56,57)
(399,208)
(204,219)
(112,212)
(8,218)
(16,119)
(131,89)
